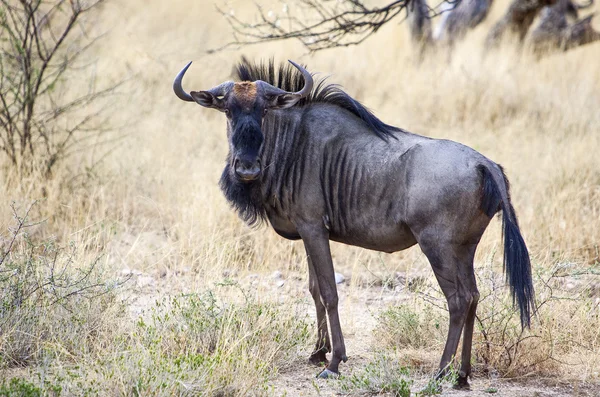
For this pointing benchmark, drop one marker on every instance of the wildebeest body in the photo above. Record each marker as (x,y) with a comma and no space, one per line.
(367,192)
(318,166)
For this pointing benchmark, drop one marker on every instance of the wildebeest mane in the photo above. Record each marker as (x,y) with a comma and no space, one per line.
(288,78)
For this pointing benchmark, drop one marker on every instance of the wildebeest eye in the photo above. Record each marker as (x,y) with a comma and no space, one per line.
(227,112)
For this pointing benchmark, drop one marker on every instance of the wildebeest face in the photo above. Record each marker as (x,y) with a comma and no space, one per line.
(244,109)
(245,104)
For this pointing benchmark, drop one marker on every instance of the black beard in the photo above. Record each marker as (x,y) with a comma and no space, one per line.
(244,197)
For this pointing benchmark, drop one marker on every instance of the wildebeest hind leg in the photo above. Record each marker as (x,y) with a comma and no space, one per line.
(465,366)
(323,345)
(453,268)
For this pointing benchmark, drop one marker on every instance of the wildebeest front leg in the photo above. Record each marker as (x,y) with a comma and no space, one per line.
(323,345)
(316,242)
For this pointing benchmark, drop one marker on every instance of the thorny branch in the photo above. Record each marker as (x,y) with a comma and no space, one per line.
(325,24)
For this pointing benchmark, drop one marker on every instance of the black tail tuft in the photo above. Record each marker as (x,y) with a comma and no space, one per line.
(517,265)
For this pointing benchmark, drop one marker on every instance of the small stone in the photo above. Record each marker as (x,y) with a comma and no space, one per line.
(277,275)
(280,283)
(126,272)
(339,278)
(145,281)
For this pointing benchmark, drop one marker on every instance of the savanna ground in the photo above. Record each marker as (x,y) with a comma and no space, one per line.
(139,279)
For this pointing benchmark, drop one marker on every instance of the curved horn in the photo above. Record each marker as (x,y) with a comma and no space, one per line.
(215,92)
(308,80)
(304,92)
(179,91)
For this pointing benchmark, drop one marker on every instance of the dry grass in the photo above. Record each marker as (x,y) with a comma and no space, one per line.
(153,204)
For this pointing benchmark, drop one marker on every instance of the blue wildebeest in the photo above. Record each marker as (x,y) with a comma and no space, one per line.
(319,166)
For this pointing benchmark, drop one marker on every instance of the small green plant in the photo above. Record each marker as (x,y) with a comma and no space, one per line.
(382,375)
(432,388)
(434,385)
(406,326)
(18,387)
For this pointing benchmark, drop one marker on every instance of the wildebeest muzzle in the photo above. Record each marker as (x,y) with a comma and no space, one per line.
(247,169)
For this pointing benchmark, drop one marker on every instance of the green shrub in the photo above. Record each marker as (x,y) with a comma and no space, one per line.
(18,387)
(382,375)
(418,327)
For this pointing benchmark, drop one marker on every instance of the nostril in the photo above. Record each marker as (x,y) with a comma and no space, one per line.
(247,170)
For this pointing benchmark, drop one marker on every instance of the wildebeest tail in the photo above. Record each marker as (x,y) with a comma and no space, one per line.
(517,265)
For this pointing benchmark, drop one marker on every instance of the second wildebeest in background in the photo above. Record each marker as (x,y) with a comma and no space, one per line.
(319,166)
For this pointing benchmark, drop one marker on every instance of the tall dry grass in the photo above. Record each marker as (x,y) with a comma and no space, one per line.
(153,203)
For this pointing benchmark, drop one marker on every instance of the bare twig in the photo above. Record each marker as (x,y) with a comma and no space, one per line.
(328,24)
(39,49)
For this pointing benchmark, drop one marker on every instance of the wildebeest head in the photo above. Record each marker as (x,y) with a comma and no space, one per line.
(245,104)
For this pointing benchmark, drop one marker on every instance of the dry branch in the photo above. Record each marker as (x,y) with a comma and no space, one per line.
(327,24)
(40,45)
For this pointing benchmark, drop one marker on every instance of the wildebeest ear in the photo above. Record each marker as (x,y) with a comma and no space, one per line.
(208,100)
(283,101)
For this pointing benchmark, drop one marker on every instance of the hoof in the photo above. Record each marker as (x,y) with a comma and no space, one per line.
(327,374)
(462,383)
